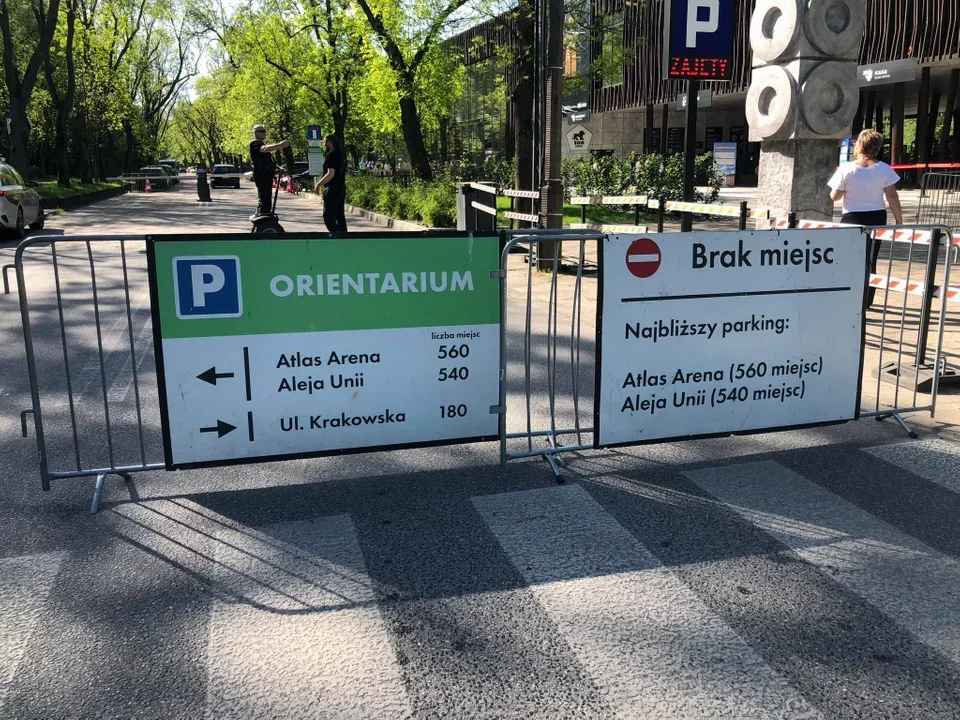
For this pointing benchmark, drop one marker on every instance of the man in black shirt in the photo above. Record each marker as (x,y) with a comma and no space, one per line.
(333,186)
(261,157)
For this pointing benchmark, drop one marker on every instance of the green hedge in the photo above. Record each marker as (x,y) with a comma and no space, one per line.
(434,204)
(653,175)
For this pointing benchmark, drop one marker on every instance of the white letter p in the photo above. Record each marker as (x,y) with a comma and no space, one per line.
(206,279)
(695,25)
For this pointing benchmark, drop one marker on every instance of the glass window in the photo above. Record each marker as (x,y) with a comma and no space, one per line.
(15,176)
(611,50)
(5,177)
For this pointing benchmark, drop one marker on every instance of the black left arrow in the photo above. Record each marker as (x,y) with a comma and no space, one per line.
(211,376)
(222,428)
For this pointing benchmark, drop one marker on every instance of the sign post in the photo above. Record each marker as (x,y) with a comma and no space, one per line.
(717,333)
(310,346)
(698,47)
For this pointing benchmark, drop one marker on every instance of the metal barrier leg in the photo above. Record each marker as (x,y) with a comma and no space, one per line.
(900,422)
(557,472)
(6,279)
(98,489)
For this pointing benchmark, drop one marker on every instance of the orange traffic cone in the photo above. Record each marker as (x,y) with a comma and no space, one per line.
(147,187)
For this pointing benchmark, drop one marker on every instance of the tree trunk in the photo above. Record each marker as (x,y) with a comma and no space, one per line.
(413,135)
(19,137)
(63,153)
(444,147)
(129,151)
(339,127)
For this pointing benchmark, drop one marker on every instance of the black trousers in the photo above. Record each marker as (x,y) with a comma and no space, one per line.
(264,195)
(871,218)
(334,214)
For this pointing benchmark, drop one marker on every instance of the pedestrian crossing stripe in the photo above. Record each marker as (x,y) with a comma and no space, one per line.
(25,583)
(881,564)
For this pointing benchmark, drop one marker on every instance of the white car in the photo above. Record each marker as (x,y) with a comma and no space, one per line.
(19,204)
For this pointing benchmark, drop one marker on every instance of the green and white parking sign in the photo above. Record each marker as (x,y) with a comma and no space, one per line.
(307,346)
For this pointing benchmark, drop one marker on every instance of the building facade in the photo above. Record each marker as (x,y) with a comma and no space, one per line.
(909,74)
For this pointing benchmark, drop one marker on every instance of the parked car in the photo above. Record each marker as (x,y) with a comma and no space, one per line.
(162,181)
(19,203)
(171,173)
(248,175)
(170,163)
(220,170)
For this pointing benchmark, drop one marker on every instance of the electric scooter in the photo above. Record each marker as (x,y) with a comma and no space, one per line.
(268,223)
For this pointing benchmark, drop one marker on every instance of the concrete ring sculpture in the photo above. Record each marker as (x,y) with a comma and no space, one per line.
(771,103)
(829,97)
(834,27)
(774,27)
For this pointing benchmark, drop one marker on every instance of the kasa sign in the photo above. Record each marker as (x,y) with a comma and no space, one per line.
(699,36)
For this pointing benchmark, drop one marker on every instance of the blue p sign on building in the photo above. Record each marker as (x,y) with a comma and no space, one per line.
(207,287)
(699,40)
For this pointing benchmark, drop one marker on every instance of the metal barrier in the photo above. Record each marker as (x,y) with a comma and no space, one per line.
(740,211)
(138,183)
(86,338)
(584,201)
(86,312)
(912,261)
(940,200)
(905,333)
(552,369)
(476,206)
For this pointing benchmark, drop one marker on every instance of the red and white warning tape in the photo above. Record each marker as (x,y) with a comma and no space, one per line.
(920,237)
(610,228)
(531,194)
(949,293)
(528,217)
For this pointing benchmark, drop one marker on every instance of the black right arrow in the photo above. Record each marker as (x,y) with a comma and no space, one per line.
(222,428)
(211,376)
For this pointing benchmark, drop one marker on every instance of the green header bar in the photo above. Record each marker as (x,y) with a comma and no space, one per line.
(214,287)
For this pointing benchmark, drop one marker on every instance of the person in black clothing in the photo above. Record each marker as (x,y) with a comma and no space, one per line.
(333,186)
(264,167)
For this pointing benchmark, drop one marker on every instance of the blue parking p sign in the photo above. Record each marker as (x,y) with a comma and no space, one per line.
(699,40)
(207,287)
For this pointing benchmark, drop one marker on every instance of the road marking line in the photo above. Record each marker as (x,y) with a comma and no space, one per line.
(306,638)
(645,638)
(25,582)
(913,584)
(935,460)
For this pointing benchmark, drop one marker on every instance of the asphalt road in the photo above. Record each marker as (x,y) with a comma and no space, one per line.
(803,574)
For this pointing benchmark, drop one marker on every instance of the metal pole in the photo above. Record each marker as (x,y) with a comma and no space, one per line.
(929,287)
(743,214)
(690,153)
(549,250)
(660,211)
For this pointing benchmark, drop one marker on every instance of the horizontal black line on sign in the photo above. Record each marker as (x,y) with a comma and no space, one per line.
(798,291)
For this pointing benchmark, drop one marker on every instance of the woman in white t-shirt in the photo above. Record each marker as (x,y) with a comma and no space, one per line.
(862,186)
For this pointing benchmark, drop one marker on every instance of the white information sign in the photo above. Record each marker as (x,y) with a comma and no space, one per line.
(715,333)
(306,346)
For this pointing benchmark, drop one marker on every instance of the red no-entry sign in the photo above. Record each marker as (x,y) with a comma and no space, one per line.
(643,257)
